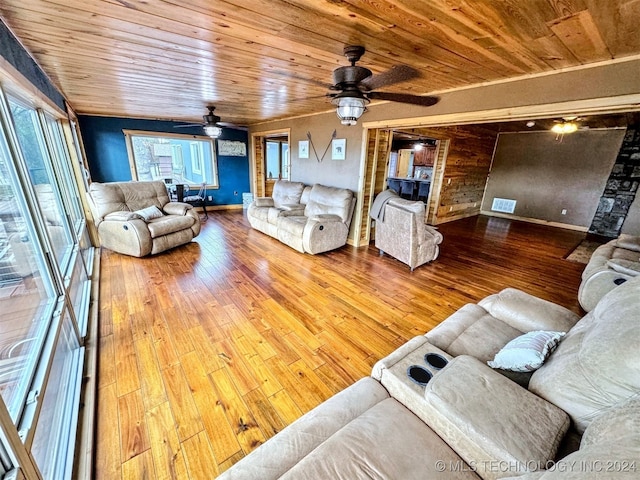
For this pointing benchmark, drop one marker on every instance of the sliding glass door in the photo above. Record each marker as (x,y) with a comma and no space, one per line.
(45,284)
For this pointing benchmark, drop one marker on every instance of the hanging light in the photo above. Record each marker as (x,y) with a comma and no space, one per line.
(351,105)
(212,131)
(563,128)
(418,146)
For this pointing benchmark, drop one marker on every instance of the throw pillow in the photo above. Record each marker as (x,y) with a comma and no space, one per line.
(150,213)
(527,352)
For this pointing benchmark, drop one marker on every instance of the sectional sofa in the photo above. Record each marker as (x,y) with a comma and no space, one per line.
(435,409)
(310,219)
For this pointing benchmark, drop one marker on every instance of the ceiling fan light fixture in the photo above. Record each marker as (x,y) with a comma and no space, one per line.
(212,131)
(418,146)
(563,128)
(350,107)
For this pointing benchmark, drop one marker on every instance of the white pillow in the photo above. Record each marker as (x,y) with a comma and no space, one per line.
(150,213)
(527,352)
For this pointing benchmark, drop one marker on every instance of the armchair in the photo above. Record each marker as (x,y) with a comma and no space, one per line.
(137,218)
(403,234)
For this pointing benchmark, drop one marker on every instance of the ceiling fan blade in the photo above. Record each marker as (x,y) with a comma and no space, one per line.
(190,125)
(232,125)
(425,101)
(396,74)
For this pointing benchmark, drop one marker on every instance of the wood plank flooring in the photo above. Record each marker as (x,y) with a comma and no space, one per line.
(210,349)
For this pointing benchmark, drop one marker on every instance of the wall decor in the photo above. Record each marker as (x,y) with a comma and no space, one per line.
(333,135)
(303,149)
(339,149)
(232,148)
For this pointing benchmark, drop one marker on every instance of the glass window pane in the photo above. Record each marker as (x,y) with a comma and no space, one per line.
(27,296)
(273,159)
(62,165)
(39,168)
(173,158)
(53,440)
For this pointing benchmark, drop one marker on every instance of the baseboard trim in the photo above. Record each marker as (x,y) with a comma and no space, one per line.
(537,221)
(211,208)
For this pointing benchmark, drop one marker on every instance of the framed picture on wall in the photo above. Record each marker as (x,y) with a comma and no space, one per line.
(303,149)
(339,149)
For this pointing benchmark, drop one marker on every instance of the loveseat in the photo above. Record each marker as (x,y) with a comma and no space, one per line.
(310,219)
(137,218)
(610,265)
(578,418)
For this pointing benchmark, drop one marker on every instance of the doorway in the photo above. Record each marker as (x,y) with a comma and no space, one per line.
(271,160)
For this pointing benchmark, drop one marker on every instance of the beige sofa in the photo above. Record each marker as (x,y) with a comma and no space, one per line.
(470,421)
(310,219)
(610,265)
(124,216)
(401,233)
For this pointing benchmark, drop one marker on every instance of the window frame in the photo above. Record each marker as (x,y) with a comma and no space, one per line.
(128,134)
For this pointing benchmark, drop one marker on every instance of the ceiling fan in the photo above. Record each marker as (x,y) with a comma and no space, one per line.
(357,86)
(211,124)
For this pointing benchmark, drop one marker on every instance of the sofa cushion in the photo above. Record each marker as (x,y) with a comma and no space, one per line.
(332,200)
(527,352)
(465,333)
(385,442)
(169,224)
(286,192)
(597,364)
(526,312)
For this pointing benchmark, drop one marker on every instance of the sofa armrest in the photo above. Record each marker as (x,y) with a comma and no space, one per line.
(326,217)
(122,216)
(263,202)
(526,313)
(176,208)
(598,284)
(489,420)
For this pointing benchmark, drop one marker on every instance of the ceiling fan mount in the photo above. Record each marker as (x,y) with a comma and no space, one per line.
(356,86)
(211,118)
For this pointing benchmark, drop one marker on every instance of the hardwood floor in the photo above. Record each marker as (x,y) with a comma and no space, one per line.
(208,350)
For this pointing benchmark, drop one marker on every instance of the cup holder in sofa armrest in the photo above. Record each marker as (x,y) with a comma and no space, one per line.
(419,375)
(435,360)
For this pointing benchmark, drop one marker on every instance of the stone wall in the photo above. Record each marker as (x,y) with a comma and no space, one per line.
(621,187)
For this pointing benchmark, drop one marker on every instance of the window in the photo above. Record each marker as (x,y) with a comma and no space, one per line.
(173,158)
(277,158)
(44,293)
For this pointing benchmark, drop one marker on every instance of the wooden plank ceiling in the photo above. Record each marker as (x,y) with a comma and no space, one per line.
(259,60)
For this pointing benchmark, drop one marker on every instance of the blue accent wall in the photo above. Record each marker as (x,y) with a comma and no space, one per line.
(21,60)
(108,160)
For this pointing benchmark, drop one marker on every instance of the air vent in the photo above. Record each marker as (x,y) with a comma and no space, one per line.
(503,205)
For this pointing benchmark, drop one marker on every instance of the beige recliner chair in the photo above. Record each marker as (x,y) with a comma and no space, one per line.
(402,233)
(137,218)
